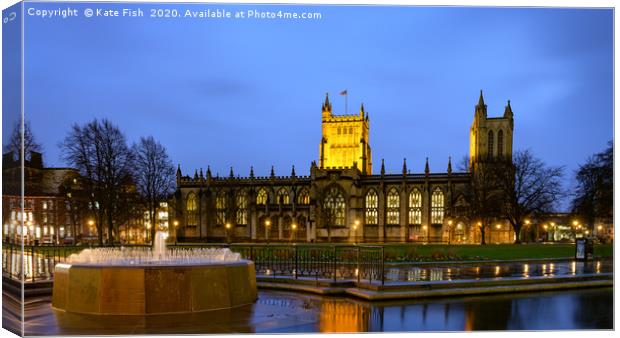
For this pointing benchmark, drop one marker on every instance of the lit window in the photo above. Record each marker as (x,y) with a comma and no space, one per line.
(415,207)
(283,196)
(241,202)
(437,207)
(192,208)
(372,204)
(220,208)
(304,197)
(44,205)
(261,197)
(334,208)
(393,206)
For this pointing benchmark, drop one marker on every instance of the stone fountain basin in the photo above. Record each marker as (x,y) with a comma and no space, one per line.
(153,289)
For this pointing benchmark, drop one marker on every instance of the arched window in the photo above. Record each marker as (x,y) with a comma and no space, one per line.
(415,207)
(261,197)
(241,202)
(372,205)
(220,208)
(334,207)
(500,143)
(490,144)
(437,208)
(192,210)
(283,196)
(393,206)
(303,197)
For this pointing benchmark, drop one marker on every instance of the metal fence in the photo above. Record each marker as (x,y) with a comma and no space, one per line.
(35,262)
(331,262)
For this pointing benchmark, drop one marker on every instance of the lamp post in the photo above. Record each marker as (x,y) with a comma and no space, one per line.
(176,225)
(498,226)
(449,230)
(227,233)
(294,227)
(267,224)
(355,225)
(425,228)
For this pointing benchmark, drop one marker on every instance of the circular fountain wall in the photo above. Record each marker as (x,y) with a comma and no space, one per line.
(143,281)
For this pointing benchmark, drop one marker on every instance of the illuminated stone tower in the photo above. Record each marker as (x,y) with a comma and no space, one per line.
(345,140)
(490,138)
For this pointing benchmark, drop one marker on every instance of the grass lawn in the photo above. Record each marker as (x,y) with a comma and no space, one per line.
(399,252)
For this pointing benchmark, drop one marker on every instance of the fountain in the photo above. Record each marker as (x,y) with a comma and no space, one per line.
(137,281)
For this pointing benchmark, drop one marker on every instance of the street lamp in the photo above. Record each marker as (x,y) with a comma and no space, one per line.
(294,227)
(425,228)
(227,233)
(267,224)
(355,225)
(449,230)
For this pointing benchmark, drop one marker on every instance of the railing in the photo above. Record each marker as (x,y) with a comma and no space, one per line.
(37,262)
(332,262)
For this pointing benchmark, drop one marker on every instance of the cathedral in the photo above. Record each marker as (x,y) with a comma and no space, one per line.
(342,200)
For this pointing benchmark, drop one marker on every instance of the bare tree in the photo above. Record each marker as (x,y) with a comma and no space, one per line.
(15,141)
(154,175)
(463,164)
(485,197)
(529,187)
(593,198)
(100,152)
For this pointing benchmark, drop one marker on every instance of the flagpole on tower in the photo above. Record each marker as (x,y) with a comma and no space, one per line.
(346,99)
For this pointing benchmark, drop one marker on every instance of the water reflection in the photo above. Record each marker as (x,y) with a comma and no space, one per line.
(413,273)
(286,312)
(541,311)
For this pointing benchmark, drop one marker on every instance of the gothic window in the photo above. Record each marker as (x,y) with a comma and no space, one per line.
(192,208)
(437,207)
(393,206)
(220,208)
(500,143)
(372,203)
(350,130)
(283,197)
(304,197)
(261,197)
(339,130)
(334,207)
(241,202)
(415,207)
(490,144)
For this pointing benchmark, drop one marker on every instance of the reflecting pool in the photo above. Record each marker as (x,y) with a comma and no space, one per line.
(287,312)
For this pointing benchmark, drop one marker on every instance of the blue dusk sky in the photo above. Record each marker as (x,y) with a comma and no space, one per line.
(248,92)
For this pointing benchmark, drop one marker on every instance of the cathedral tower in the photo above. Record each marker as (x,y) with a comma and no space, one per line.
(344,142)
(490,138)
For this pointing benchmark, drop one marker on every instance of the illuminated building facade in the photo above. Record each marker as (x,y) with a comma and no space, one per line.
(57,209)
(342,200)
(53,202)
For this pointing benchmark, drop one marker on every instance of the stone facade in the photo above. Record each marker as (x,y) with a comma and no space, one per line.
(342,200)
